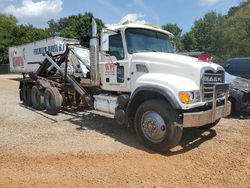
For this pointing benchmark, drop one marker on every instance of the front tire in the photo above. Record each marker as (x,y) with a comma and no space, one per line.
(158,125)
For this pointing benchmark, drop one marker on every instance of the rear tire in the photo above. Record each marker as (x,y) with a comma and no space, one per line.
(26,94)
(37,98)
(53,100)
(158,125)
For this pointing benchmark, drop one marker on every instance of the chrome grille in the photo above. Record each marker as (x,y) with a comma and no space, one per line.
(209,79)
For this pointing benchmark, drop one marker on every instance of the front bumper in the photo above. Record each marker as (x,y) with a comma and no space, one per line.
(197,119)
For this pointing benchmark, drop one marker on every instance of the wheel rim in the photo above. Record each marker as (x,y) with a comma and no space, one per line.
(153,126)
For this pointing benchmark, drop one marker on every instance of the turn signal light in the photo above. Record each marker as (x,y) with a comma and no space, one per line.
(184,97)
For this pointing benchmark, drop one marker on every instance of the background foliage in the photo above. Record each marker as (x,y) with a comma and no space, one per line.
(224,36)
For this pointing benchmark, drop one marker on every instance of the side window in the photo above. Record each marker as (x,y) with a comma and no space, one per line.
(239,67)
(243,67)
(116,46)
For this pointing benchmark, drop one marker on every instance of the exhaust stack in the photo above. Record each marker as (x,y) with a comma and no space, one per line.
(94,55)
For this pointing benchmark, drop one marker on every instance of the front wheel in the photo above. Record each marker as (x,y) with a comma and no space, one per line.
(158,125)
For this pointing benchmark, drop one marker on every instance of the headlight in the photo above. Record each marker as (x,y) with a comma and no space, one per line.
(188,97)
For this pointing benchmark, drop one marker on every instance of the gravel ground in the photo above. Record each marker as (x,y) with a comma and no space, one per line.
(77,149)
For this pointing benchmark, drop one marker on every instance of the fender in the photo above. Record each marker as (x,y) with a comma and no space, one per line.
(132,105)
(156,89)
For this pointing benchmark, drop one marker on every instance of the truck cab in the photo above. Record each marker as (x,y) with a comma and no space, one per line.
(120,44)
(139,60)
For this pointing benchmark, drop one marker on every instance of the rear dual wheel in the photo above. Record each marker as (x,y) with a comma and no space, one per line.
(25,94)
(37,98)
(50,99)
(53,100)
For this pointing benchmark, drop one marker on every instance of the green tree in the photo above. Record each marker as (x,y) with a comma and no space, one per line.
(76,26)
(223,36)
(203,36)
(235,33)
(23,34)
(12,34)
(7,26)
(189,42)
(234,9)
(176,31)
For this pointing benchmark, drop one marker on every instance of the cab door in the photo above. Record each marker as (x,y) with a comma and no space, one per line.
(114,67)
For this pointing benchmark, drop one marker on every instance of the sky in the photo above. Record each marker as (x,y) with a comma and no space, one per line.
(156,12)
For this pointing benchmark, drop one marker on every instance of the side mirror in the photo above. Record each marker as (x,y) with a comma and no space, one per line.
(105,42)
(227,66)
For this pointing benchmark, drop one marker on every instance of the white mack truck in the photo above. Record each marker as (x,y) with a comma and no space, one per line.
(132,76)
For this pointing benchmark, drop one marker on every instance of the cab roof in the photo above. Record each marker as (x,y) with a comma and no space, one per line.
(135,25)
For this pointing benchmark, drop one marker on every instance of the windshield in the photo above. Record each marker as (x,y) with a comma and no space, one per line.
(143,40)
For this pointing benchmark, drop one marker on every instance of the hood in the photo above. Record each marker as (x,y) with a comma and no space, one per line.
(176,64)
(174,60)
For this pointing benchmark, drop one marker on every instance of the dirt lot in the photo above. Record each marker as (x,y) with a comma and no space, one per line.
(79,150)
